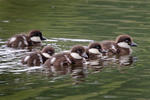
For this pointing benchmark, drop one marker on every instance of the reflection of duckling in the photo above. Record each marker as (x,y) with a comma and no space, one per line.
(126,60)
(38,58)
(78,75)
(34,38)
(121,46)
(63,63)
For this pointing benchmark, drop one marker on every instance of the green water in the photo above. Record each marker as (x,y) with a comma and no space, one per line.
(76,19)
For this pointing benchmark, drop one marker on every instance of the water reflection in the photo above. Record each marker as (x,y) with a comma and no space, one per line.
(82,19)
(93,66)
(78,74)
(10,62)
(115,60)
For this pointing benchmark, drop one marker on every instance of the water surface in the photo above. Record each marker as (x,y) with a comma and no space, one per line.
(66,23)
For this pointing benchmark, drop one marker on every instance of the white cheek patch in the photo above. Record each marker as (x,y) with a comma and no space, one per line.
(12,39)
(36,39)
(123,45)
(52,60)
(94,51)
(46,55)
(76,56)
(26,58)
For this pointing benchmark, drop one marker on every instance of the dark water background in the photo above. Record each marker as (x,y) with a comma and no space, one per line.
(66,23)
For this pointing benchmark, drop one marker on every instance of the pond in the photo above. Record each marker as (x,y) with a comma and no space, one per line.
(66,23)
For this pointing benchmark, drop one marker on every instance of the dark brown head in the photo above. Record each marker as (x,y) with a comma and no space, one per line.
(125,39)
(78,52)
(36,36)
(48,51)
(95,48)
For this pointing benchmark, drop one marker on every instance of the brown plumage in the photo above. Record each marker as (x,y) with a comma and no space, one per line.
(63,63)
(94,51)
(22,40)
(121,46)
(38,58)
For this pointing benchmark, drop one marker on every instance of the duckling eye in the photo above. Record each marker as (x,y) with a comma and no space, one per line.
(78,51)
(49,52)
(98,47)
(127,41)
